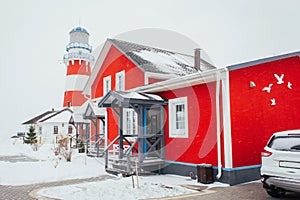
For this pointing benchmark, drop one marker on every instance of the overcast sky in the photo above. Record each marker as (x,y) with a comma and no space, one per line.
(34,34)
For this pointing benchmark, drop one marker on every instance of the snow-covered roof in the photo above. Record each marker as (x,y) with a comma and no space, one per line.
(59,116)
(79,119)
(127,98)
(39,117)
(151,59)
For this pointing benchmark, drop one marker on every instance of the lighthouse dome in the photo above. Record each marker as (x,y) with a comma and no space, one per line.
(79,35)
(79,29)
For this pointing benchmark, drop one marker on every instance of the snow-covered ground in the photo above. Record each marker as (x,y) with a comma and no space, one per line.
(47,167)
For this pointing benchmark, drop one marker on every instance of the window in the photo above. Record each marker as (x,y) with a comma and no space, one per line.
(70,130)
(102,127)
(106,85)
(129,121)
(40,130)
(55,131)
(120,81)
(178,118)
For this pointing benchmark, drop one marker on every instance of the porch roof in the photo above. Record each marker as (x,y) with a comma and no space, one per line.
(127,99)
(93,111)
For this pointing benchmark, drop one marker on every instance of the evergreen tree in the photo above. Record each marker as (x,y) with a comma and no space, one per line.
(31,136)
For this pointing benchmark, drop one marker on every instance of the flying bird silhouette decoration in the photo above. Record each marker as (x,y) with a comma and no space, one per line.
(279,78)
(268,89)
(289,85)
(273,102)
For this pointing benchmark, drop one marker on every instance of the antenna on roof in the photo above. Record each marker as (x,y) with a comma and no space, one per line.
(79,21)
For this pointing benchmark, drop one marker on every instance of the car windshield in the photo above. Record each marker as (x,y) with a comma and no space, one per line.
(285,143)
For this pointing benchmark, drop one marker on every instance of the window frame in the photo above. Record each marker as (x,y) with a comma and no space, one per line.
(122,75)
(174,131)
(130,127)
(106,87)
(55,129)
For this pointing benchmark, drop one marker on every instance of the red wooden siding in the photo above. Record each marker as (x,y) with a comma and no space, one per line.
(154,80)
(115,62)
(201,145)
(253,119)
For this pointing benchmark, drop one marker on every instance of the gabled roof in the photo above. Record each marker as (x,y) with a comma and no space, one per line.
(93,111)
(56,114)
(263,60)
(37,118)
(148,59)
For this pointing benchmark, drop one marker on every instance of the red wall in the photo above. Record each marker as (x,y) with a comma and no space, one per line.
(115,62)
(200,146)
(253,119)
(155,80)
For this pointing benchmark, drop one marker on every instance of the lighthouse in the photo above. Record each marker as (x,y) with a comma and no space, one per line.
(78,60)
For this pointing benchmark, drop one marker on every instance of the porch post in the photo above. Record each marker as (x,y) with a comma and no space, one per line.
(87,134)
(97,137)
(162,131)
(141,133)
(121,133)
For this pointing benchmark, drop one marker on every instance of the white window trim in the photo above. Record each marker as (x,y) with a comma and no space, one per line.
(105,89)
(131,125)
(120,74)
(173,132)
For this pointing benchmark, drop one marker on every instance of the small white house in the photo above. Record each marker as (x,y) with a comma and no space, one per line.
(52,125)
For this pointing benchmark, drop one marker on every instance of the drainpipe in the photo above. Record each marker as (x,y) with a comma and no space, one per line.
(218,125)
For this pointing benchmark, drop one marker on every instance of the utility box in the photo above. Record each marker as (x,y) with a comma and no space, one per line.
(205,173)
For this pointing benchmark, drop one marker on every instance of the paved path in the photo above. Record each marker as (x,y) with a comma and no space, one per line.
(250,191)
(22,192)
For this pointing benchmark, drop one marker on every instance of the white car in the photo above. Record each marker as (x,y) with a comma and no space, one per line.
(280,169)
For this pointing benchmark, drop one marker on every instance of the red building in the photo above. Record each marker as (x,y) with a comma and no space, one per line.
(162,113)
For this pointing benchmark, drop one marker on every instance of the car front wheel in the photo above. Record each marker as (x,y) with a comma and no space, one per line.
(276,192)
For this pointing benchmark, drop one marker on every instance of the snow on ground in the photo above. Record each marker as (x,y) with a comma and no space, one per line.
(41,168)
(122,188)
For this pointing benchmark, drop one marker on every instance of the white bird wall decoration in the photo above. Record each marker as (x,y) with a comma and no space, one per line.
(289,85)
(273,102)
(279,78)
(268,89)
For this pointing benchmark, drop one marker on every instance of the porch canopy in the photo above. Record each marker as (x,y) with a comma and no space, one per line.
(94,114)
(142,104)
(130,99)
(92,111)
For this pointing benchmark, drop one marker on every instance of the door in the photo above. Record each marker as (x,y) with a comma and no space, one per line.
(153,132)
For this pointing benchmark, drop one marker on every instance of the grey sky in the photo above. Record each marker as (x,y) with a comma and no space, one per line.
(34,34)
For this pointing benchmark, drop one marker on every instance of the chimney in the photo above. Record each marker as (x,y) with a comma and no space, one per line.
(197,58)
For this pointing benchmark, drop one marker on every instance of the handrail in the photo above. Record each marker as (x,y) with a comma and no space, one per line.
(108,146)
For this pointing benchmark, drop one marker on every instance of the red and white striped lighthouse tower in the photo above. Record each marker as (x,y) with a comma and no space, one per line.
(78,60)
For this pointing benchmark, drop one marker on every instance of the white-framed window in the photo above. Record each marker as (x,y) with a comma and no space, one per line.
(102,127)
(106,84)
(130,123)
(55,129)
(178,118)
(120,81)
